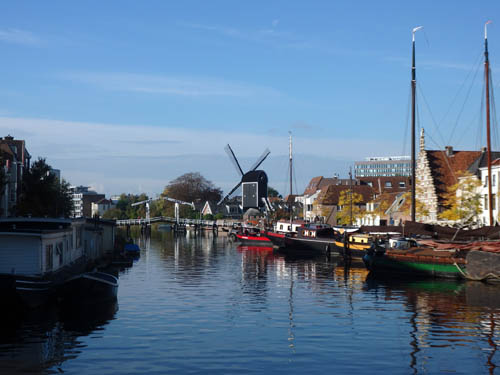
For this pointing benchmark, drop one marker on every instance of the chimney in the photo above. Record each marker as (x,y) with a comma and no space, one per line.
(449,150)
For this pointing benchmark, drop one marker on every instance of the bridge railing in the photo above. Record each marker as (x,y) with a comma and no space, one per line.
(165,219)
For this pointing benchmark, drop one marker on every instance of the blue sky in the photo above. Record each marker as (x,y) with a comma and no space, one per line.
(126,96)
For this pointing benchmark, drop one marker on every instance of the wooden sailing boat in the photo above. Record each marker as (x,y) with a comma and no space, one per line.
(476,260)
(277,236)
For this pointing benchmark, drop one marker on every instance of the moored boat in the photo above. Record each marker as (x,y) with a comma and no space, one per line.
(473,261)
(252,239)
(37,255)
(312,239)
(132,250)
(96,286)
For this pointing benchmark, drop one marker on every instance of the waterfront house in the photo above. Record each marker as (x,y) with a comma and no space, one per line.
(328,205)
(15,161)
(101,206)
(483,191)
(83,198)
(436,170)
(37,255)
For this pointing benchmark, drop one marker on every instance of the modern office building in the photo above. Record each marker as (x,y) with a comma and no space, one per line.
(383,166)
(83,199)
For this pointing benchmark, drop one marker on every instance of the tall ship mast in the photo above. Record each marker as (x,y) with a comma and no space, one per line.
(488,137)
(291,171)
(413,96)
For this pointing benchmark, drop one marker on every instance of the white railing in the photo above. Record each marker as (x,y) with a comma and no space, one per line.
(165,219)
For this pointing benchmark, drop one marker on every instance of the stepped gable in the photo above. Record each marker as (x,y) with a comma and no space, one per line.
(447,165)
(330,196)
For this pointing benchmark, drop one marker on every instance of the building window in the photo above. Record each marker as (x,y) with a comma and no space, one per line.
(388,184)
(402,184)
(49,249)
(59,252)
(493,181)
(485,201)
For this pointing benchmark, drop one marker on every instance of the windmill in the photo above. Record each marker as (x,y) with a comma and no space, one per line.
(253,183)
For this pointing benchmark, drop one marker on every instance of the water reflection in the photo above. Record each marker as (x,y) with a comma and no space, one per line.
(254,310)
(35,340)
(446,314)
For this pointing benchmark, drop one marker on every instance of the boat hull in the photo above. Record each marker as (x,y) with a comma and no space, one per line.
(354,250)
(401,267)
(278,239)
(252,240)
(95,286)
(307,246)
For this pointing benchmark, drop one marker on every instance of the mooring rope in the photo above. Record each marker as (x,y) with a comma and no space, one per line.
(468,277)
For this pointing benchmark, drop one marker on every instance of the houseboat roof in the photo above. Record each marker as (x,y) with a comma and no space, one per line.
(10,224)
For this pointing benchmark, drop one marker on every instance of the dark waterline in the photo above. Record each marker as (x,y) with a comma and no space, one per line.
(202,305)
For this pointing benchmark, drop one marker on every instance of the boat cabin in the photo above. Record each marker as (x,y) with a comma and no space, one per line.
(402,243)
(315,231)
(36,246)
(360,238)
(284,226)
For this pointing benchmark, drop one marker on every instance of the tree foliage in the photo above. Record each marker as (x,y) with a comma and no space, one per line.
(463,200)
(124,208)
(421,209)
(347,200)
(192,187)
(42,194)
(272,192)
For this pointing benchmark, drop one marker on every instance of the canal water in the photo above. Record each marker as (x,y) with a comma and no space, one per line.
(202,305)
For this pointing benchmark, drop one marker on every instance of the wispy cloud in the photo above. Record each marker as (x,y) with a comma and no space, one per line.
(432,63)
(169,85)
(270,35)
(17,36)
(119,157)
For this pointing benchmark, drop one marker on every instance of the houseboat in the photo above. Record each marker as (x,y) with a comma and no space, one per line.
(312,239)
(37,255)
(281,229)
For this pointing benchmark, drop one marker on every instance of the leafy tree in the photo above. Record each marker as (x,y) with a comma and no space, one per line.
(127,211)
(272,192)
(463,200)
(43,194)
(346,197)
(421,209)
(191,187)
(115,214)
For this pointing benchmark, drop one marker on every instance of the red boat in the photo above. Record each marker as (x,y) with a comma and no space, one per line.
(252,239)
(278,239)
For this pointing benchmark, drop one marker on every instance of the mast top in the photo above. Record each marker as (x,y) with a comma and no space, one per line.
(414,31)
(486,29)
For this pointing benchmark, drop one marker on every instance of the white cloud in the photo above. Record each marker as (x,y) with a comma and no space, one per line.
(169,85)
(125,158)
(17,36)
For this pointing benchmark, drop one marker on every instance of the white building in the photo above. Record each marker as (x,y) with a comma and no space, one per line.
(82,200)
(484,217)
(100,207)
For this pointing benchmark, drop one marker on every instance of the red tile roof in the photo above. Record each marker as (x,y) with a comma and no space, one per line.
(445,169)
(330,196)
